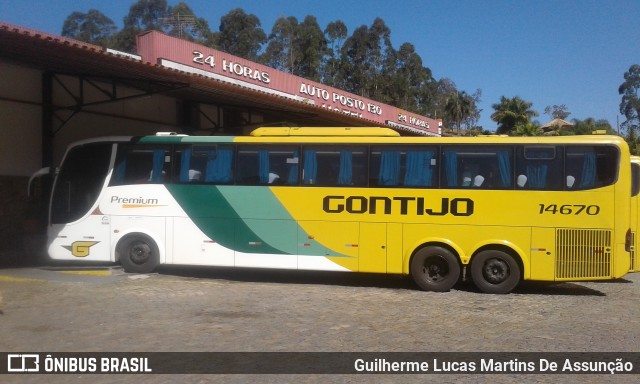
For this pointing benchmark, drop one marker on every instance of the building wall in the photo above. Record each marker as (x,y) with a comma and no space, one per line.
(21,143)
(20,120)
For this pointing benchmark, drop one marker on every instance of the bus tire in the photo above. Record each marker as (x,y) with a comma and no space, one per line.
(138,253)
(495,271)
(435,269)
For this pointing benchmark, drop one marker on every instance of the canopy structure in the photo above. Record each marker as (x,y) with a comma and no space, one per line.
(556,125)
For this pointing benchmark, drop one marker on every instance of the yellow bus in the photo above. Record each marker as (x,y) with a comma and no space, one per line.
(498,210)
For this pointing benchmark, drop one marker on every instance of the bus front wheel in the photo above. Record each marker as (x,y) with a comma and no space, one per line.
(435,269)
(138,254)
(495,272)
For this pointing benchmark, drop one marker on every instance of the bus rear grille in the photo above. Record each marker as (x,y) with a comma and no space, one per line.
(583,253)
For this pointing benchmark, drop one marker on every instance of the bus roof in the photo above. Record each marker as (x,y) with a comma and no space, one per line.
(325,131)
(355,135)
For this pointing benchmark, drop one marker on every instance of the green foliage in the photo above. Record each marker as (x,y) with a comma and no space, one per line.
(363,63)
(557,111)
(589,125)
(241,34)
(144,15)
(280,52)
(527,129)
(92,27)
(511,112)
(181,22)
(630,106)
(297,48)
(458,106)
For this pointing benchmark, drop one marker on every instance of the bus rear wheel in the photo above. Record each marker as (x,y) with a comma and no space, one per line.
(495,271)
(138,254)
(435,269)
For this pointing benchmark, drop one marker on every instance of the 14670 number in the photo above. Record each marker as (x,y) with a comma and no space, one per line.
(569,209)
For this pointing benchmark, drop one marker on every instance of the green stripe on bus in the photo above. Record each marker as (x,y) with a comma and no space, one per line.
(224,221)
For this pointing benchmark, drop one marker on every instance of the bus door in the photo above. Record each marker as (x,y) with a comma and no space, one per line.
(635,217)
(543,253)
(77,228)
(373,247)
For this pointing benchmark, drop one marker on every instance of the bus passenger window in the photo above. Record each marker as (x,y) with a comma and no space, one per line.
(409,166)
(142,165)
(486,167)
(334,166)
(540,167)
(209,164)
(635,179)
(273,165)
(590,167)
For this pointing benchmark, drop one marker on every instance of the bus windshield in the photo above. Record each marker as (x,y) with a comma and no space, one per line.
(79,182)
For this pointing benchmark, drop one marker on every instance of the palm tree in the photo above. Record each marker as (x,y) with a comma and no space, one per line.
(511,112)
(528,129)
(458,108)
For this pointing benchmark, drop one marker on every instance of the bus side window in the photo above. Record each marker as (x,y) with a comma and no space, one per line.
(403,166)
(486,167)
(590,166)
(635,179)
(138,164)
(272,165)
(335,165)
(210,164)
(540,167)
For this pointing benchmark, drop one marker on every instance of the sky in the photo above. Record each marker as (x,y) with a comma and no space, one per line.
(548,52)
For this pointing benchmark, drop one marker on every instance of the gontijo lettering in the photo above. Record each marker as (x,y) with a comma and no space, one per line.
(403,205)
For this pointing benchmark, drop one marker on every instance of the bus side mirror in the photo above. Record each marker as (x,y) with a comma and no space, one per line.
(39,173)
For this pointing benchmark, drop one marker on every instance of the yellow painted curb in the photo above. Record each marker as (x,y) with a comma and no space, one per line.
(88,272)
(20,279)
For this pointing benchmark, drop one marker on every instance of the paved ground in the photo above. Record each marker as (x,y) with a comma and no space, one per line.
(187,309)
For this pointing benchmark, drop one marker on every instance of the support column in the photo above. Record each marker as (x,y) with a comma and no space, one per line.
(47,119)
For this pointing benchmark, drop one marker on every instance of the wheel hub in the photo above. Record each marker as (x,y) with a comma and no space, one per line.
(496,271)
(140,253)
(435,269)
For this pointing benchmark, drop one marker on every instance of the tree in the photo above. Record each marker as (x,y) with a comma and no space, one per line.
(281,51)
(241,34)
(92,27)
(458,107)
(588,126)
(557,111)
(335,33)
(363,55)
(630,105)
(443,89)
(528,129)
(144,15)
(474,115)
(511,112)
(406,79)
(313,49)
(181,22)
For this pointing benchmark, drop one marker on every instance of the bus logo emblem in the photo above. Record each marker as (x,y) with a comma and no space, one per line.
(80,248)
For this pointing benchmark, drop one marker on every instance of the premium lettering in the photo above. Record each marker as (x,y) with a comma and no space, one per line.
(133,200)
(399,205)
